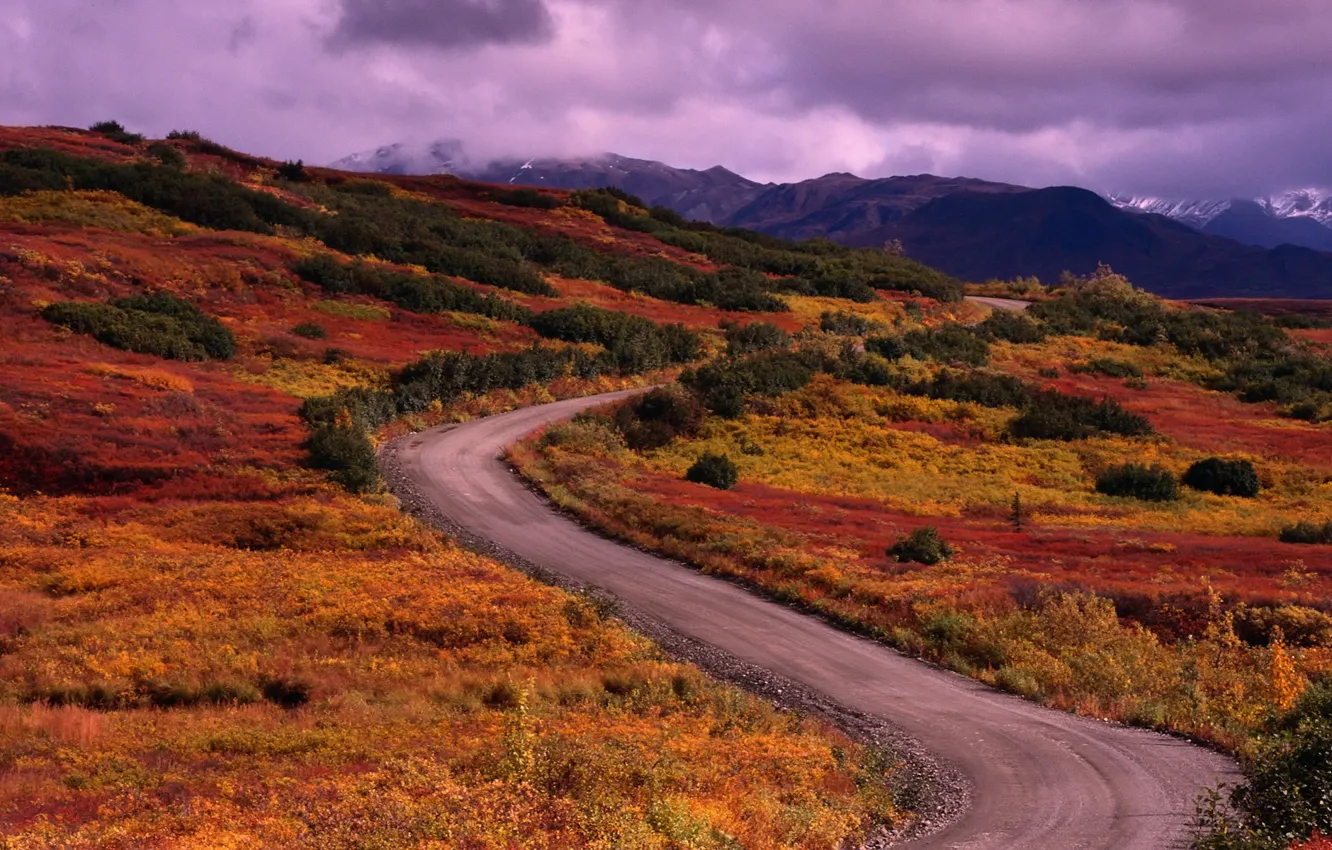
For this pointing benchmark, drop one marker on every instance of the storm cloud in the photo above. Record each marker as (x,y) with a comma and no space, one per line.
(442,23)
(1154,96)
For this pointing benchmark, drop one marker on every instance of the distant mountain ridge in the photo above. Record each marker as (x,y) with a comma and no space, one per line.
(974,229)
(1300,217)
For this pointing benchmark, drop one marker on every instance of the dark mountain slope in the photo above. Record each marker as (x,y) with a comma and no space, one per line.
(846,208)
(1045,232)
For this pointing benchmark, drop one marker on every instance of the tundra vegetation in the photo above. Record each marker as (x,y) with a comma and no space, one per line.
(217,630)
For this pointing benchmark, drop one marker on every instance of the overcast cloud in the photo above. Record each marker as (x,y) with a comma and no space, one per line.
(1167,97)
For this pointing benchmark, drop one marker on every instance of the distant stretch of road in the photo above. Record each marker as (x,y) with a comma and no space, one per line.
(1042,779)
(1011,304)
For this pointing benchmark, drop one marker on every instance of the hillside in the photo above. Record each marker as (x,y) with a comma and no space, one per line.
(216,629)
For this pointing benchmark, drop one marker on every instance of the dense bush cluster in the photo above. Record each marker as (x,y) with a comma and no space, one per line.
(754,337)
(1308,533)
(158,323)
(1010,326)
(922,546)
(114,131)
(633,343)
(1224,477)
(1052,415)
(724,386)
(842,323)
(947,344)
(714,470)
(1137,481)
(658,418)
(413,292)
(1110,366)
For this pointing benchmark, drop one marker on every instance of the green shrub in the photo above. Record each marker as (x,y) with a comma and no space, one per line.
(845,324)
(986,388)
(946,344)
(1051,415)
(116,133)
(1136,481)
(346,452)
(756,336)
(922,546)
(723,386)
(658,418)
(714,470)
(168,155)
(1011,326)
(158,324)
(1308,533)
(1108,366)
(1224,477)
(525,198)
(293,171)
(310,330)
(634,343)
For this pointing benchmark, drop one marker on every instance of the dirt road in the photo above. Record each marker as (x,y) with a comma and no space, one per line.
(1041,779)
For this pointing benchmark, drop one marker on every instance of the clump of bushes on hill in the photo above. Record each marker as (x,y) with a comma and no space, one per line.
(1051,415)
(658,418)
(842,323)
(524,197)
(714,470)
(1286,797)
(413,292)
(754,337)
(310,330)
(346,452)
(158,324)
(922,546)
(1010,326)
(724,386)
(1224,477)
(167,154)
(946,344)
(635,344)
(1110,366)
(1308,533)
(114,131)
(1137,481)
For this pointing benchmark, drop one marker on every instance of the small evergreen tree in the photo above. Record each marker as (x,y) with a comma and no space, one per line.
(1016,515)
(923,546)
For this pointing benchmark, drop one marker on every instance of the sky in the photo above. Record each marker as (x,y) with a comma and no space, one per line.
(1178,98)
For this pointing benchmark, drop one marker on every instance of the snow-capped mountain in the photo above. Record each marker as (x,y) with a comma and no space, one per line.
(1297,203)
(1301,203)
(1193,213)
(1299,217)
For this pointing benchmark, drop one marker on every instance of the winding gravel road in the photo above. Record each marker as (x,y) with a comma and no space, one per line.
(1041,779)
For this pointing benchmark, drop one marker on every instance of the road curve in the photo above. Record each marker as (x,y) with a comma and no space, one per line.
(1042,779)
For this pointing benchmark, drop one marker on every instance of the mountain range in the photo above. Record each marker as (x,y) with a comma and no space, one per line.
(976,229)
